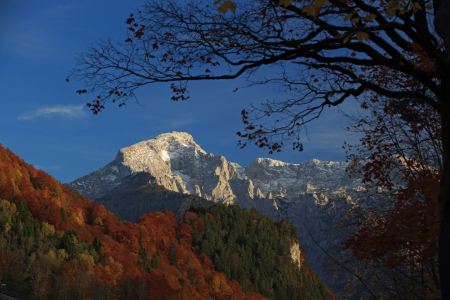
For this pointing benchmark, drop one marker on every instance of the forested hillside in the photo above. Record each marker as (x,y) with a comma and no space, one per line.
(57,244)
(256,251)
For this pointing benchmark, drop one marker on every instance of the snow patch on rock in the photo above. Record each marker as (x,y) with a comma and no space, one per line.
(165,156)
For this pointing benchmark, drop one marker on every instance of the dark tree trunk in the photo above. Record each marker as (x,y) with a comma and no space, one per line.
(444,203)
(442,26)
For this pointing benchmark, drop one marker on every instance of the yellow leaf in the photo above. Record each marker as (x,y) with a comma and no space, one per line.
(429,6)
(309,10)
(347,38)
(7,227)
(355,20)
(285,3)
(415,6)
(393,6)
(227,5)
(362,35)
(320,3)
(314,10)
(369,18)
(348,17)
(217,2)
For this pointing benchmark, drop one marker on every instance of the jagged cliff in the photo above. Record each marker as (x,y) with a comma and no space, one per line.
(312,195)
(178,164)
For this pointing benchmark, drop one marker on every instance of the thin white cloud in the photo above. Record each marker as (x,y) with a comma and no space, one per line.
(181,122)
(40,167)
(65,112)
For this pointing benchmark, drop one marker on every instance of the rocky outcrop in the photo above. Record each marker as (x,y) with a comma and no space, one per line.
(295,254)
(178,164)
(312,195)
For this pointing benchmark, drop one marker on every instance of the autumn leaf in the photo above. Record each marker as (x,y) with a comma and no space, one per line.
(227,5)
(347,38)
(309,10)
(285,3)
(139,34)
(394,5)
(314,10)
(349,16)
(415,7)
(362,35)
(369,18)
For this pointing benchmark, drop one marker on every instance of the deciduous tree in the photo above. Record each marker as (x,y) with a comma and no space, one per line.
(393,243)
(342,48)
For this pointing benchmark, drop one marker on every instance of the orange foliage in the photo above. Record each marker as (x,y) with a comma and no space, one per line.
(303,257)
(211,217)
(52,203)
(199,224)
(189,216)
(410,232)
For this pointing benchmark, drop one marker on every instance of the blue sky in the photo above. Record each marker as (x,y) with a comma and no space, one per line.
(47,124)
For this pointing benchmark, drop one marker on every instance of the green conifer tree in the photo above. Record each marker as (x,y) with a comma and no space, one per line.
(173,255)
(154,262)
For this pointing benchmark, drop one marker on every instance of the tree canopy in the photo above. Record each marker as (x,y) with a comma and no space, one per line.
(341,49)
(391,245)
(326,52)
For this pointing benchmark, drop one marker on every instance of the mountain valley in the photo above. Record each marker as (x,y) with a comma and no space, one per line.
(312,195)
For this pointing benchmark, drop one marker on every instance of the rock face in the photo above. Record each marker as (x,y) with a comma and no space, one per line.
(311,195)
(178,164)
(139,193)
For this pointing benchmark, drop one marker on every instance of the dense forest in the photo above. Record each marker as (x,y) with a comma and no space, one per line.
(256,251)
(57,244)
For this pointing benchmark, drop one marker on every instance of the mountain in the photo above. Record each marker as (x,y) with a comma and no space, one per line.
(57,244)
(138,193)
(312,195)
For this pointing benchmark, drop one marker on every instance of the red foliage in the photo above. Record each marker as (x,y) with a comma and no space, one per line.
(46,200)
(303,257)
(189,216)
(199,225)
(330,294)
(408,234)
(211,217)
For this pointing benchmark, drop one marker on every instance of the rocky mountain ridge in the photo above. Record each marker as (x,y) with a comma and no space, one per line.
(312,195)
(180,165)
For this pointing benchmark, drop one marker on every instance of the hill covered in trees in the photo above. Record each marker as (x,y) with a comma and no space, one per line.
(261,254)
(57,244)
